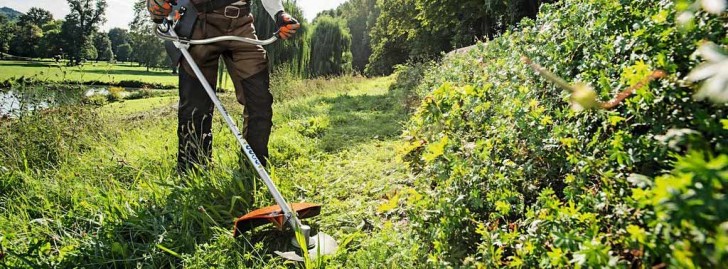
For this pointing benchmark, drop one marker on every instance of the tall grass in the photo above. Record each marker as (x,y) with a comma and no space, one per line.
(111,198)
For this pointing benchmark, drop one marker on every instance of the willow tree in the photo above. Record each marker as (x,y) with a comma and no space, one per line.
(330,47)
(292,53)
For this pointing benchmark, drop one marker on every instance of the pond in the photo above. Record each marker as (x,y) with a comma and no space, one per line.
(14,102)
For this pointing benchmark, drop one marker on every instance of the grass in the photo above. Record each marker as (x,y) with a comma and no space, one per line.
(102,71)
(116,202)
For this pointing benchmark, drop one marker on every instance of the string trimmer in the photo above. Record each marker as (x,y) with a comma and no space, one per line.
(283,213)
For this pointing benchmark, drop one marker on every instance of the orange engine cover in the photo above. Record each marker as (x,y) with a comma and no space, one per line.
(273,214)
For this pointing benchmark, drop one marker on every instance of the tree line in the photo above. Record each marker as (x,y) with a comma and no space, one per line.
(76,37)
(363,36)
(372,36)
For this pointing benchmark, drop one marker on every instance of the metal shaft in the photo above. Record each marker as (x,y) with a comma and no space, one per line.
(291,217)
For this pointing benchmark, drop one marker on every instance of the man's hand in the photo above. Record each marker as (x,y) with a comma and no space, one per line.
(160,9)
(286,24)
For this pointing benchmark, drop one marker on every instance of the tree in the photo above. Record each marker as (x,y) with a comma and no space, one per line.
(26,40)
(360,16)
(118,37)
(420,30)
(51,43)
(81,24)
(89,52)
(36,16)
(293,52)
(330,47)
(103,47)
(124,52)
(7,34)
(148,49)
(391,35)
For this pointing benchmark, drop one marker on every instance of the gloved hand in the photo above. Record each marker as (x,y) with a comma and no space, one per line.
(160,9)
(286,24)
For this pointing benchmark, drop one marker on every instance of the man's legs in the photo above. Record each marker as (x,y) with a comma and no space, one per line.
(258,113)
(195,123)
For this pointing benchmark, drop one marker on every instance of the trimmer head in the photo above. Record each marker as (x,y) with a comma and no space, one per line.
(318,246)
(273,214)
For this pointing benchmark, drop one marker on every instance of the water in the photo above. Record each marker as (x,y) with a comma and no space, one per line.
(12,104)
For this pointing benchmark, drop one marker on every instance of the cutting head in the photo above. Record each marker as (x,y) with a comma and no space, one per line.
(320,245)
(273,214)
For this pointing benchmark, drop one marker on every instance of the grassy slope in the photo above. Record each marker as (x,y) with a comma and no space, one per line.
(336,147)
(101,71)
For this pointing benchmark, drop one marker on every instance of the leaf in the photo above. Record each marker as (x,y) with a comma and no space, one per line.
(614,120)
(725,124)
(389,205)
(435,150)
(636,233)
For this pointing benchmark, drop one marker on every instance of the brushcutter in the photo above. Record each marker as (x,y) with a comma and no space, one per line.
(282,214)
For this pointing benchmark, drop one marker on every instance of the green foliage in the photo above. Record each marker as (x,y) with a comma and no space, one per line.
(119,37)
(116,94)
(392,35)
(7,30)
(421,30)
(330,47)
(89,52)
(685,213)
(80,25)
(148,49)
(103,47)
(360,16)
(36,16)
(124,52)
(26,40)
(292,53)
(522,180)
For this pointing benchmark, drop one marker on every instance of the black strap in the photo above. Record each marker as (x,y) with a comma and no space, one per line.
(211,5)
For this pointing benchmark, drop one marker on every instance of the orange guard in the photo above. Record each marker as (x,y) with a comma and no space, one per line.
(273,214)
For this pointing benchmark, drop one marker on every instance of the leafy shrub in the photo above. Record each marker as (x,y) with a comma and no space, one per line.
(407,79)
(515,177)
(141,94)
(96,100)
(115,94)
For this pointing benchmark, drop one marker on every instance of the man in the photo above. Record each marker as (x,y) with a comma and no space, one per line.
(248,68)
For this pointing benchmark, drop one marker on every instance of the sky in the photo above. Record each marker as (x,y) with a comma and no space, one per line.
(119,13)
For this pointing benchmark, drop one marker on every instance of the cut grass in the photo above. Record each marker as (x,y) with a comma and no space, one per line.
(120,204)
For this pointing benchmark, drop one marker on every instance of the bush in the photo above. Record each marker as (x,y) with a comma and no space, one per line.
(115,94)
(141,94)
(96,100)
(515,177)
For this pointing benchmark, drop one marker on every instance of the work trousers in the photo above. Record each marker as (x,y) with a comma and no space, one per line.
(248,68)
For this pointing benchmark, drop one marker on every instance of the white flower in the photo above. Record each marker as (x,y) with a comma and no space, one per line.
(714,6)
(715,73)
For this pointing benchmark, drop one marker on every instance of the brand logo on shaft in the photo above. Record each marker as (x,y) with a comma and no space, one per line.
(252,156)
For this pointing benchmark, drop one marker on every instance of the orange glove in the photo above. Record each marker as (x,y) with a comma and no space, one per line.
(160,9)
(286,24)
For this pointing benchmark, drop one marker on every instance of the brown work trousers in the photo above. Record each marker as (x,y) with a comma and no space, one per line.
(248,68)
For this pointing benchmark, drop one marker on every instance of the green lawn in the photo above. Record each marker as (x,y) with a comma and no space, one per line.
(101,71)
